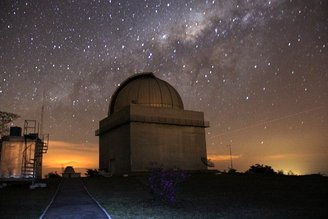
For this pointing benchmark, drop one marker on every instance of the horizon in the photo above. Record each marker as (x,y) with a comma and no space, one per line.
(222,162)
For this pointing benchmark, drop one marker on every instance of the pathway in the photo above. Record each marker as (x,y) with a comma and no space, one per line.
(74,201)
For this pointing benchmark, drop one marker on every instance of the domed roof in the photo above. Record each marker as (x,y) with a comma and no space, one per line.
(145,89)
(69,169)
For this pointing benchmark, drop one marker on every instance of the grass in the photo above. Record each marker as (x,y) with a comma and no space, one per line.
(18,201)
(217,196)
(201,196)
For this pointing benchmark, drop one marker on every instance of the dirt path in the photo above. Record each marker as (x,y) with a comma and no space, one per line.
(74,201)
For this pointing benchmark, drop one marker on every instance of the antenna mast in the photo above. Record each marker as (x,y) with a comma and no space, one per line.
(42,115)
(231,167)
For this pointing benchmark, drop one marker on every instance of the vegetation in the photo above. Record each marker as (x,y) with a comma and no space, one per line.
(5,119)
(261,169)
(163,183)
(232,171)
(203,195)
(92,173)
(52,175)
(216,196)
(18,201)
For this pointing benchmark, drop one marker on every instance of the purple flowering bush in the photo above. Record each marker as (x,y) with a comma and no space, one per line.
(163,183)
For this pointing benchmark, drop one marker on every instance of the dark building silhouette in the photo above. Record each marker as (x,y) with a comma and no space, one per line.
(146,124)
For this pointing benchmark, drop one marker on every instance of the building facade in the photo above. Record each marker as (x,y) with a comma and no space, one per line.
(21,155)
(147,124)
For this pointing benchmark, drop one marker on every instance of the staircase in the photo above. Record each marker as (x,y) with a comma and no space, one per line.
(32,154)
(28,169)
(45,143)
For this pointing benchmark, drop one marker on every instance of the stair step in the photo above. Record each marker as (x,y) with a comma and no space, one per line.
(29,167)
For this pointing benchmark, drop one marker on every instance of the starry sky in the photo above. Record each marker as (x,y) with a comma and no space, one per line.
(257,68)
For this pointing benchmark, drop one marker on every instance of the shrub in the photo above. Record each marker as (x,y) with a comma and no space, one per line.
(52,175)
(290,173)
(232,171)
(92,173)
(163,183)
(261,169)
(280,172)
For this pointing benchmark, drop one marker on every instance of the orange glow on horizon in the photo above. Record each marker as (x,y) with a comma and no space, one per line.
(83,156)
(217,157)
(61,154)
(295,163)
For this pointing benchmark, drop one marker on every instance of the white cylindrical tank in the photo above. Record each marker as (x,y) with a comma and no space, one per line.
(11,157)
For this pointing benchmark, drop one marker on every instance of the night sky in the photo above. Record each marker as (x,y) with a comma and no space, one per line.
(258,69)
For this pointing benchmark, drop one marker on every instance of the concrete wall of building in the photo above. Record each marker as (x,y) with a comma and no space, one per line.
(71,175)
(136,136)
(114,150)
(168,145)
(167,116)
(11,157)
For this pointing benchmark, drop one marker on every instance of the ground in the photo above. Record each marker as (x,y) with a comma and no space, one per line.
(217,196)
(201,196)
(18,201)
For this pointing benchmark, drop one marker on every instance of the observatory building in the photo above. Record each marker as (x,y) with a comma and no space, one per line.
(148,124)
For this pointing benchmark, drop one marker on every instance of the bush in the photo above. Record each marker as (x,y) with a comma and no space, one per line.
(261,169)
(280,172)
(163,183)
(52,175)
(232,171)
(92,173)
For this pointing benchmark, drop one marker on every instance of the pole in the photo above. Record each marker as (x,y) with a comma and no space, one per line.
(42,115)
(231,167)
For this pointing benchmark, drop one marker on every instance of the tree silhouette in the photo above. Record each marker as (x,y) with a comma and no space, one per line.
(52,175)
(6,118)
(261,169)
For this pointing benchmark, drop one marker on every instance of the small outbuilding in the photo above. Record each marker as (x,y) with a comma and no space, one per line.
(21,154)
(69,172)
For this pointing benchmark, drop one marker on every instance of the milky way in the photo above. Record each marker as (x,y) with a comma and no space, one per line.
(258,69)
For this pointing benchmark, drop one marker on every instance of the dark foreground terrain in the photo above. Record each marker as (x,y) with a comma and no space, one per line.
(18,201)
(217,196)
(201,196)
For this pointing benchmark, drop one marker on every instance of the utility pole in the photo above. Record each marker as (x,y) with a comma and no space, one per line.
(231,167)
(42,115)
